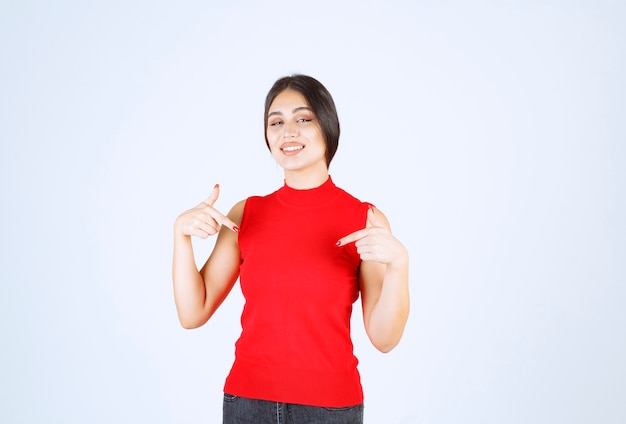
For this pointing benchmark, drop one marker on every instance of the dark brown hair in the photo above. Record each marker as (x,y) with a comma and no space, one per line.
(318,99)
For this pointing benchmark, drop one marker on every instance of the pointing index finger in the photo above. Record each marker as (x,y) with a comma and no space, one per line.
(357,235)
(230,224)
(223,219)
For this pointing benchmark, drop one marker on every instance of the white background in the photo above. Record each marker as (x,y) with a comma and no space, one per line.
(490,133)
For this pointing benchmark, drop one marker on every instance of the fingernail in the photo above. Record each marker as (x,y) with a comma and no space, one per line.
(236,229)
(338,243)
(217,186)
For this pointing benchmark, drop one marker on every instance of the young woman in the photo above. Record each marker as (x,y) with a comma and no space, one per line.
(303,255)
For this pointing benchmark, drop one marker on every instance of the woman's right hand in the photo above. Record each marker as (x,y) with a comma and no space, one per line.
(203,220)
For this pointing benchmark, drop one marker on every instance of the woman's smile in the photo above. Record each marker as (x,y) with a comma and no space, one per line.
(291,148)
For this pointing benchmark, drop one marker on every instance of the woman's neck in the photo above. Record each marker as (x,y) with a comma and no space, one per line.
(303,180)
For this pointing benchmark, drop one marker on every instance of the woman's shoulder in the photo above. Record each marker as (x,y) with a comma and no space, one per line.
(236,212)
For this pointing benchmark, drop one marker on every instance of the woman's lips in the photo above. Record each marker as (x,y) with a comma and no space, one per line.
(291,148)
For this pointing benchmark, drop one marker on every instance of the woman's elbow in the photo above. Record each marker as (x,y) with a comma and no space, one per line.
(189,322)
(385,337)
(385,346)
(189,325)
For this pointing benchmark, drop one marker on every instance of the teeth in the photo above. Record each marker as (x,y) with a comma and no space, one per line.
(292,148)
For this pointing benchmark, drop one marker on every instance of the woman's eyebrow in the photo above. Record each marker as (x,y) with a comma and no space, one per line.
(298,109)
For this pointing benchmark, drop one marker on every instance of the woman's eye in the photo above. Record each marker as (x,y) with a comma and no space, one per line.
(275,124)
(304,120)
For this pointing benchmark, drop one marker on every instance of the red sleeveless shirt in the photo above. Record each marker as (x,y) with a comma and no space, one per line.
(299,288)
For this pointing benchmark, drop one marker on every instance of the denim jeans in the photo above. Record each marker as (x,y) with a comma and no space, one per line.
(239,410)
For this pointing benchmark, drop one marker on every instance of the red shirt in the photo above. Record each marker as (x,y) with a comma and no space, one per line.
(299,288)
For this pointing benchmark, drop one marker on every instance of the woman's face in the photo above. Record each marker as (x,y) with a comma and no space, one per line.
(294,134)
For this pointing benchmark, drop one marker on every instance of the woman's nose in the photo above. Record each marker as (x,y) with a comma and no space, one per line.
(291,129)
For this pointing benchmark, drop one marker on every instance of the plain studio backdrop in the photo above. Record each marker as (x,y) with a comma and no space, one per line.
(490,133)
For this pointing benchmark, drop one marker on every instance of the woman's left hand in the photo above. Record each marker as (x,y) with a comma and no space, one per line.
(375,242)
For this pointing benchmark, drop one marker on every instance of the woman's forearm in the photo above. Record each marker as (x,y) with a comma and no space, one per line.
(391,311)
(189,287)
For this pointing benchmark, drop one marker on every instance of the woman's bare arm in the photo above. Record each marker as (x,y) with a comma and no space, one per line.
(198,293)
(384,281)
